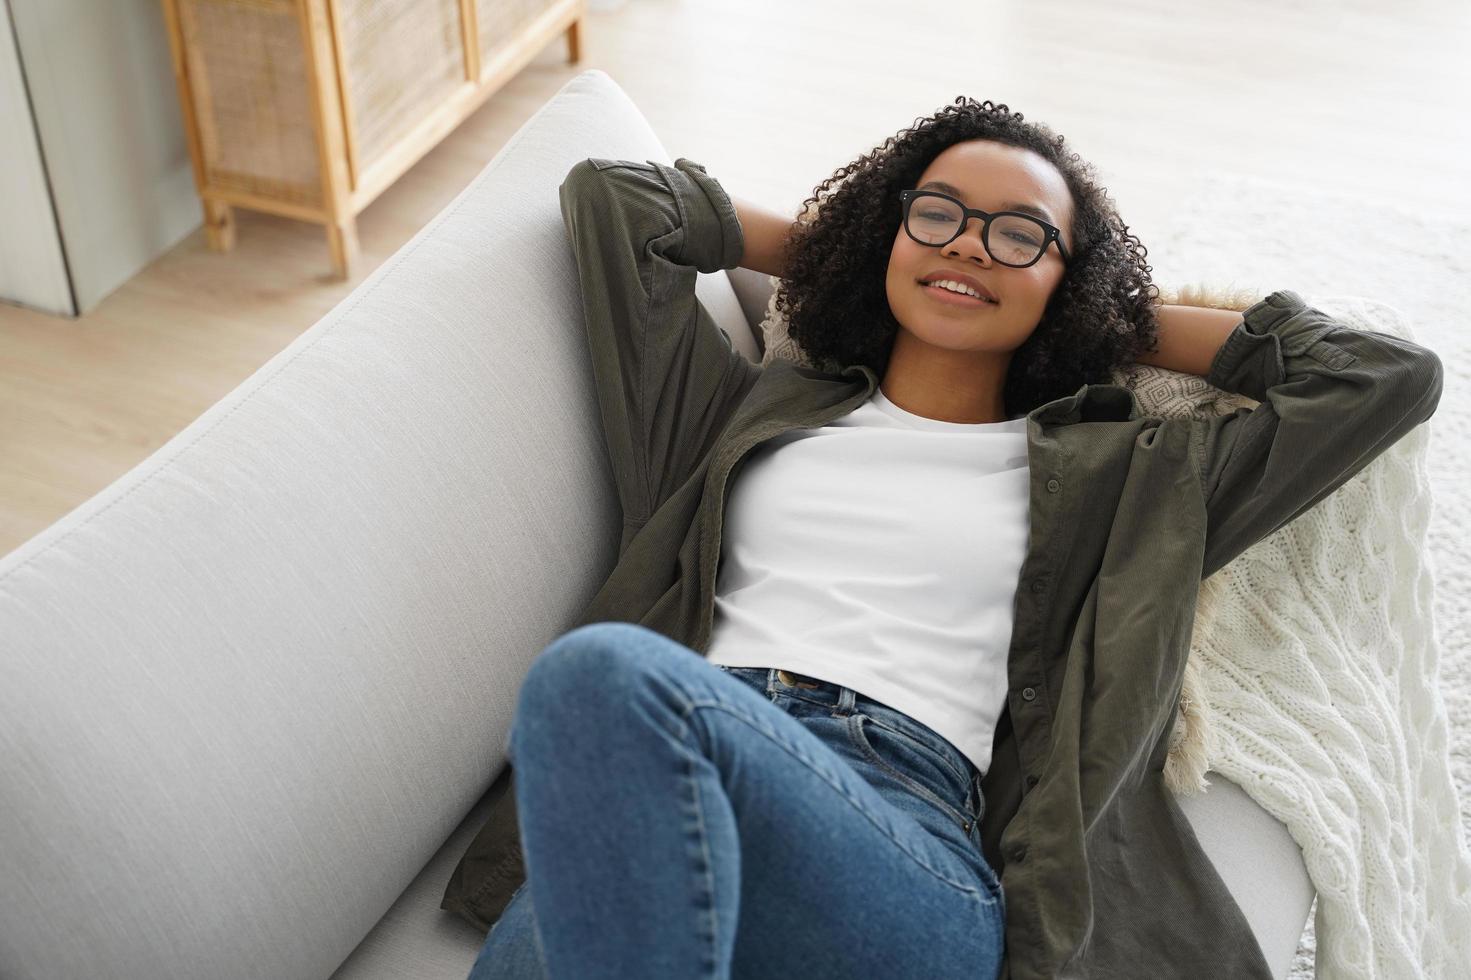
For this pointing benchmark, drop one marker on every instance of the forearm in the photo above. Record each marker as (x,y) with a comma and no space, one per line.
(1190,336)
(765,232)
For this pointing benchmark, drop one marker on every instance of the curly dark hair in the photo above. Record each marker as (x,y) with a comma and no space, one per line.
(832,292)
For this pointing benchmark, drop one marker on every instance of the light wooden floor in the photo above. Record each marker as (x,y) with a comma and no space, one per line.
(1370,98)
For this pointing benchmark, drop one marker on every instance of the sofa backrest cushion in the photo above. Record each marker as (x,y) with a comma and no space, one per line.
(249,689)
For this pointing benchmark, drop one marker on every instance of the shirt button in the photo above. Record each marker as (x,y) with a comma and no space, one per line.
(1019,853)
(1028,694)
(1053,486)
(1038,584)
(1031,781)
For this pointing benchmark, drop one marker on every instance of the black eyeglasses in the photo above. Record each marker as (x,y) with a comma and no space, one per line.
(1010,237)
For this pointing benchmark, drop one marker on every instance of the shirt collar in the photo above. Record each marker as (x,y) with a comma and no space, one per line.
(1090,403)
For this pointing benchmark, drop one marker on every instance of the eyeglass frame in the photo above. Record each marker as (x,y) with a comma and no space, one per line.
(1053,234)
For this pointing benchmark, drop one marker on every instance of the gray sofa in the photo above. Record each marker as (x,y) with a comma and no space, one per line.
(253,693)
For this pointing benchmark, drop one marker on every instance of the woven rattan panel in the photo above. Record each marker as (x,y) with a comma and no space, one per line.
(401,59)
(248,73)
(501,20)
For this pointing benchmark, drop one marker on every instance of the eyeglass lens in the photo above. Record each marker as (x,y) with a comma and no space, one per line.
(1011,239)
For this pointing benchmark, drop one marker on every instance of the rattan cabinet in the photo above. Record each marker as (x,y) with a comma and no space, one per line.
(311,108)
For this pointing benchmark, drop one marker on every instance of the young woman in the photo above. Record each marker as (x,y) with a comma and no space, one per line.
(883,632)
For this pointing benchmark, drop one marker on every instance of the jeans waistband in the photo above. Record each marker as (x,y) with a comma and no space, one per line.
(845,700)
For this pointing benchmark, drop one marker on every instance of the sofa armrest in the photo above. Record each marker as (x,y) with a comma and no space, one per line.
(753,290)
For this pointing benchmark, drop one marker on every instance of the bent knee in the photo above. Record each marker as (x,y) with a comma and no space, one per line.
(598,654)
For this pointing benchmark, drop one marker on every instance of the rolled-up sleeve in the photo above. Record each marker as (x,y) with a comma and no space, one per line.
(668,377)
(1331,398)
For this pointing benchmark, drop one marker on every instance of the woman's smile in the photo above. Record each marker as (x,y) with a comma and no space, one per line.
(944,295)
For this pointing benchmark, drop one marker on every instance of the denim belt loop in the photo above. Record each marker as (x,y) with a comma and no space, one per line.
(847,701)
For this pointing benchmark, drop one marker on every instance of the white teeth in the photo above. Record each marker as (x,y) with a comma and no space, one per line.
(956,287)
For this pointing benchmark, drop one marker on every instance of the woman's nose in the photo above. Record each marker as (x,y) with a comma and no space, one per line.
(970,242)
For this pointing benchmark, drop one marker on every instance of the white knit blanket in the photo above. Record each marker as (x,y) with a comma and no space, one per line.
(1312,684)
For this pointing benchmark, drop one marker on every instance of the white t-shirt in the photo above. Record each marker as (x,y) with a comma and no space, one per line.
(881,552)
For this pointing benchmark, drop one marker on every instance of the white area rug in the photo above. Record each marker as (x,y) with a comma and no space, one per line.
(1263,236)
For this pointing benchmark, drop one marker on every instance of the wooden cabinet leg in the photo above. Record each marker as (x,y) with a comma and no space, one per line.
(219,225)
(574,42)
(342,242)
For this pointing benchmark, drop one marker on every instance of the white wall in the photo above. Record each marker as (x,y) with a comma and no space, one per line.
(102,86)
(32,267)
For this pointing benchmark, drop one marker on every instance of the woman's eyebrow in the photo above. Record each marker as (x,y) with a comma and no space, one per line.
(955,192)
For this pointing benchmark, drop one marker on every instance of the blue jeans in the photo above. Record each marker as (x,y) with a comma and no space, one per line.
(682,819)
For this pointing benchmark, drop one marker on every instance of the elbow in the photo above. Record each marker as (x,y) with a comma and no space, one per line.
(584,175)
(1430,380)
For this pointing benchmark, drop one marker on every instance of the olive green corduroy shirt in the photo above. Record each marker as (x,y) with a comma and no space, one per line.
(1102,874)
